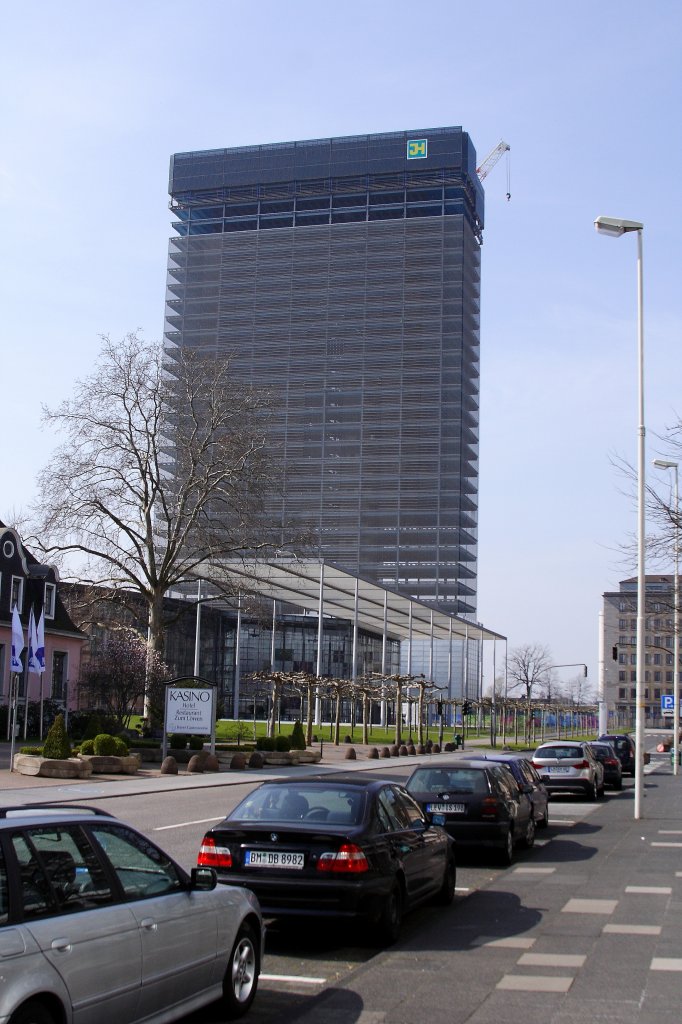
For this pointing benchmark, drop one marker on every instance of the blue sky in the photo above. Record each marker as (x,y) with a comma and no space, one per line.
(95,98)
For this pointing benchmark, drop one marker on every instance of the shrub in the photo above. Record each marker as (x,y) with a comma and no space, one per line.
(282,744)
(297,737)
(265,743)
(124,739)
(177,741)
(196,743)
(34,751)
(104,745)
(88,747)
(57,743)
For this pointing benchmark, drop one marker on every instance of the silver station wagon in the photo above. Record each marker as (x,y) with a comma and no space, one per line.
(98,924)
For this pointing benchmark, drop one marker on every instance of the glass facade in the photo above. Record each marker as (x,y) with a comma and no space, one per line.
(346,276)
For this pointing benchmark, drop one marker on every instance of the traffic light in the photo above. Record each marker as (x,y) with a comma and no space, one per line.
(466,707)
(439,707)
(614,652)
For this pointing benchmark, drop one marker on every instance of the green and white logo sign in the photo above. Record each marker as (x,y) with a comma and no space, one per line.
(417,149)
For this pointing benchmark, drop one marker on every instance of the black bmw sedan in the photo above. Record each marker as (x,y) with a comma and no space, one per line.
(352,846)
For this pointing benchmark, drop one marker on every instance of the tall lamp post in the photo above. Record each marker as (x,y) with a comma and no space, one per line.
(616,227)
(665,464)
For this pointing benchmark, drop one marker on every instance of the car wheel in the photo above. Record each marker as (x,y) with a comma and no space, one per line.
(506,854)
(618,784)
(241,977)
(32,1012)
(529,837)
(592,793)
(446,893)
(600,791)
(390,918)
(544,820)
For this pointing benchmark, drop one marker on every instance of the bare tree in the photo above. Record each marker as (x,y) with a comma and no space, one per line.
(162,469)
(116,676)
(529,668)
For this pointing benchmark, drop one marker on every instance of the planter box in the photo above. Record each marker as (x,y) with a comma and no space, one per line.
(111,765)
(52,768)
(292,757)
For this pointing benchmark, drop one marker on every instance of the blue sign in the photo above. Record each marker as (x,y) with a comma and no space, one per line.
(668,703)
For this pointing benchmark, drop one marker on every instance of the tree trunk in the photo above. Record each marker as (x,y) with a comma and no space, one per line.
(309,714)
(398,713)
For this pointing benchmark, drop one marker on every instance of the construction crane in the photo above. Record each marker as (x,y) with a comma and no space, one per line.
(486,167)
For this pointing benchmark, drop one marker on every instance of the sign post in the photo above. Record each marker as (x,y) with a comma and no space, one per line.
(189,709)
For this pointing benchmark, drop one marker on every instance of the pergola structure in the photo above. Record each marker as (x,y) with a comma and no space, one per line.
(324,588)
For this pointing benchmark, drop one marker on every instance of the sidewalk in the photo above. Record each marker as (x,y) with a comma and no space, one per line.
(586,928)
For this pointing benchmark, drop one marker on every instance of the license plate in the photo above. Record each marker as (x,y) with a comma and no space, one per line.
(559,769)
(445,808)
(273,859)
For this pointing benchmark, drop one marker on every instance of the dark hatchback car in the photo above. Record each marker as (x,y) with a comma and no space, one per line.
(610,762)
(529,782)
(352,846)
(478,803)
(624,746)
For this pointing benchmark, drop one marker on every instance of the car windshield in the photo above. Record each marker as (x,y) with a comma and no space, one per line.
(559,752)
(335,805)
(448,780)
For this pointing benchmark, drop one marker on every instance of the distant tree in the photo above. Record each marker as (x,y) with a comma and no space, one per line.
(119,675)
(529,667)
(161,476)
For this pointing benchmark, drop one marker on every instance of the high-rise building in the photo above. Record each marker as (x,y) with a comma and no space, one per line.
(345,274)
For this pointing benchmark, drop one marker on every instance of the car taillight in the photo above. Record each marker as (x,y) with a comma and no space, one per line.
(490,807)
(348,859)
(611,761)
(537,765)
(581,764)
(213,856)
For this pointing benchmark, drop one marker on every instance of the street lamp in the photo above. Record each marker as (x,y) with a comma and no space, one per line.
(666,464)
(616,227)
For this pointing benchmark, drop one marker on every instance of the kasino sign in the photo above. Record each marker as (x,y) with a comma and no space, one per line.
(189,709)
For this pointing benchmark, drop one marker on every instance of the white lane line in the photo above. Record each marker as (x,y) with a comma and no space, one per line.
(587,906)
(534,871)
(632,929)
(675,845)
(184,824)
(666,963)
(551,960)
(510,942)
(530,983)
(462,888)
(670,831)
(650,890)
(293,977)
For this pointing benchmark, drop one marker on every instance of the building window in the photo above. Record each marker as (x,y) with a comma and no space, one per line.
(17,597)
(622,623)
(668,677)
(622,640)
(49,600)
(622,659)
(657,679)
(657,691)
(621,677)
(633,693)
(658,659)
(622,693)
(59,675)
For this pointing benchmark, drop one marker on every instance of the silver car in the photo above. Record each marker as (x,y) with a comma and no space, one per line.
(97,924)
(569,766)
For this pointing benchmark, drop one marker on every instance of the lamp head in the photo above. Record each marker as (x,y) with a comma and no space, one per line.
(616,226)
(665,464)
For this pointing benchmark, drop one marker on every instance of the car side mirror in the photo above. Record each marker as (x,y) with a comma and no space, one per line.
(204,879)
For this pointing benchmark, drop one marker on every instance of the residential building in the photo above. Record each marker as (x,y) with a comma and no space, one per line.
(27,584)
(620,651)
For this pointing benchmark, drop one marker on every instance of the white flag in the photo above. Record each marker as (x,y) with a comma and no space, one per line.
(40,645)
(17,641)
(32,642)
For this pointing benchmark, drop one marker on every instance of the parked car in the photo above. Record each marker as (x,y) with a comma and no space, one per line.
(97,923)
(528,781)
(569,766)
(353,846)
(624,746)
(610,762)
(478,803)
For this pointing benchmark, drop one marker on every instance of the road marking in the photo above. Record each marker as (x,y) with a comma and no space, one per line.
(293,977)
(511,942)
(670,831)
(652,890)
(675,845)
(462,888)
(533,983)
(184,824)
(533,871)
(632,929)
(551,960)
(582,906)
(666,963)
